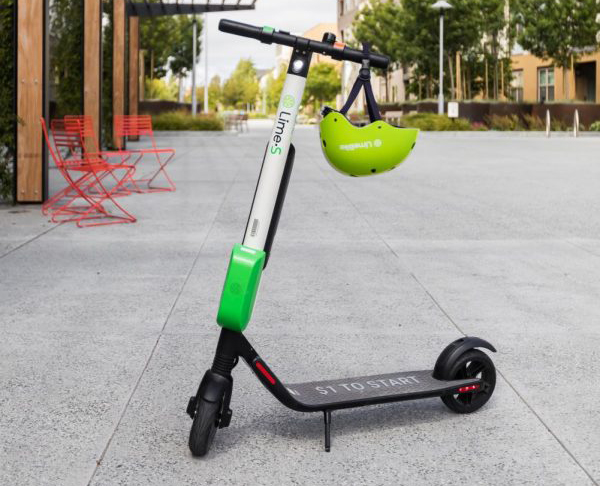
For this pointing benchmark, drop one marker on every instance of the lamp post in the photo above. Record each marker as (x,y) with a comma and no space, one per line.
(205,28)
(441,6)
(194,35)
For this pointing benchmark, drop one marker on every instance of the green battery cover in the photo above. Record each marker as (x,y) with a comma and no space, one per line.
(240,288)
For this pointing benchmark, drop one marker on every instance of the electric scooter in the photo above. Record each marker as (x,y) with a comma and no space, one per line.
(463,376)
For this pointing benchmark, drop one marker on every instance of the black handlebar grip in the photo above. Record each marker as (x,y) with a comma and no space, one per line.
(340,52)
(238,28)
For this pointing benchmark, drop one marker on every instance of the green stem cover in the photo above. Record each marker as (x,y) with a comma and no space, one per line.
(240,288)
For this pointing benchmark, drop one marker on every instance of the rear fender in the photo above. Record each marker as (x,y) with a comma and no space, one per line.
(451,353)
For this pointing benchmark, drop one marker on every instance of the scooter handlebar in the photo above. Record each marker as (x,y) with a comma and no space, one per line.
(267,35)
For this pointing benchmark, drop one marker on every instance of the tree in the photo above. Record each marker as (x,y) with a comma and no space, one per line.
(379,25)
(418,30)
(168,41)
(274,88)
(322,84)
(66,29)
(159,89)
(493,25)
(214,94)
(180,60)
(241,88)
(7,108)
(556,29)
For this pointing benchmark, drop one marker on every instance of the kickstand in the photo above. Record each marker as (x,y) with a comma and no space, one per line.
(327,417)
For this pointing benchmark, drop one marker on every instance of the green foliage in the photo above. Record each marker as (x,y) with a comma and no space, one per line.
(107,69)
(159,89)
(555,29)
(167,41)
(504,122)
(181,120)
(214,94)
(66,62)
(7,108)
(595,126)
(242,86)
(379,24)
(322,85)
(274,88)
(534,122)
(557,125)
(408,32)
(434,122)
(182,52)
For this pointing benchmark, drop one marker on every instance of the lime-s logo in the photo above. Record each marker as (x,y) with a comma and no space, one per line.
(275,150)
(288,101)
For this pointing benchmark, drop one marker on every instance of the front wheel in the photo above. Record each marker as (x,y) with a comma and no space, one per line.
(204,427)
(471,364)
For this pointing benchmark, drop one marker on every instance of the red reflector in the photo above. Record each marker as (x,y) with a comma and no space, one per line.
(470,388)
(265,373)
(339,45)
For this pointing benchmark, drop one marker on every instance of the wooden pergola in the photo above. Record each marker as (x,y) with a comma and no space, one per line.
(32,72)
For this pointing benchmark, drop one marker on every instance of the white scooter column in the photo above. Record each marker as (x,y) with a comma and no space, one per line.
(271,174)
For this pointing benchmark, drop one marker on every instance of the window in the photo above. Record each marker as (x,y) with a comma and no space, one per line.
(516,86)
(546,84)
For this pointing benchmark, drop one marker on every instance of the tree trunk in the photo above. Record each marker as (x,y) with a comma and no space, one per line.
(180,95)
(501,79)
(486,80)
(459,83)
(151,64)
(451,72)
(387,83)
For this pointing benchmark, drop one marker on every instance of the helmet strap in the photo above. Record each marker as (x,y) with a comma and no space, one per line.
(363,81)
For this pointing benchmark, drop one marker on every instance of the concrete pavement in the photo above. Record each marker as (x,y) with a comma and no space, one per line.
(106,331)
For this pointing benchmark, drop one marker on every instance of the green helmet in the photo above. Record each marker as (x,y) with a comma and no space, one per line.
(361,151)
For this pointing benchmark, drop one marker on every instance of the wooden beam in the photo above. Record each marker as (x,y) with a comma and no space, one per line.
(92,57)
(134,64)
(118,64)
(30,100)
(157,9)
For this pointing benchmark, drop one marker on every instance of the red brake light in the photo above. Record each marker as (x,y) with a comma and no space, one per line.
(470,388)
(265,373)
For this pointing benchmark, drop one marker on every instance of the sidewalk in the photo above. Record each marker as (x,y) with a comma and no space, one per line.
(107,331)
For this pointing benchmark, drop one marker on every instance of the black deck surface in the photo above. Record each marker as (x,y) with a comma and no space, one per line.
(403,385)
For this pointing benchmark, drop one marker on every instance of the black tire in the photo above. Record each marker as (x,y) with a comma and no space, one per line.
(471,364)
(204,427)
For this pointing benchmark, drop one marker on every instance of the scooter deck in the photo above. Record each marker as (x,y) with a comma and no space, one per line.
(372,389)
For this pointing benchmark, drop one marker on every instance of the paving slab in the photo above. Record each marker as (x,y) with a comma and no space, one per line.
(61,396)
(408,443)
(489,235)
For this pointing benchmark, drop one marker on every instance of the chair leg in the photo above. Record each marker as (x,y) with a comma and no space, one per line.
(109,195)
(162,169)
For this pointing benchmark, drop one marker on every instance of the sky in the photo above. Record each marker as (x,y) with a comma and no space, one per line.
(225,50)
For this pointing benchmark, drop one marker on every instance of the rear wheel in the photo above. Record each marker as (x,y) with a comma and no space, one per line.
(204,427)
(472,364)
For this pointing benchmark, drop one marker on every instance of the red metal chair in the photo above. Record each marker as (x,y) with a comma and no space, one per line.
(140,126)
(89,172)
(90,148)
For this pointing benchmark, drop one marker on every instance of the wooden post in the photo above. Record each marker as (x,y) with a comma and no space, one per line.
(30,100)
(118,64)
(92,56)
(142,74)
(459,91)
(134,64)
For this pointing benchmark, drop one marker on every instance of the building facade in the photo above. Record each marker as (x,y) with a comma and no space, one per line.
(537,80)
